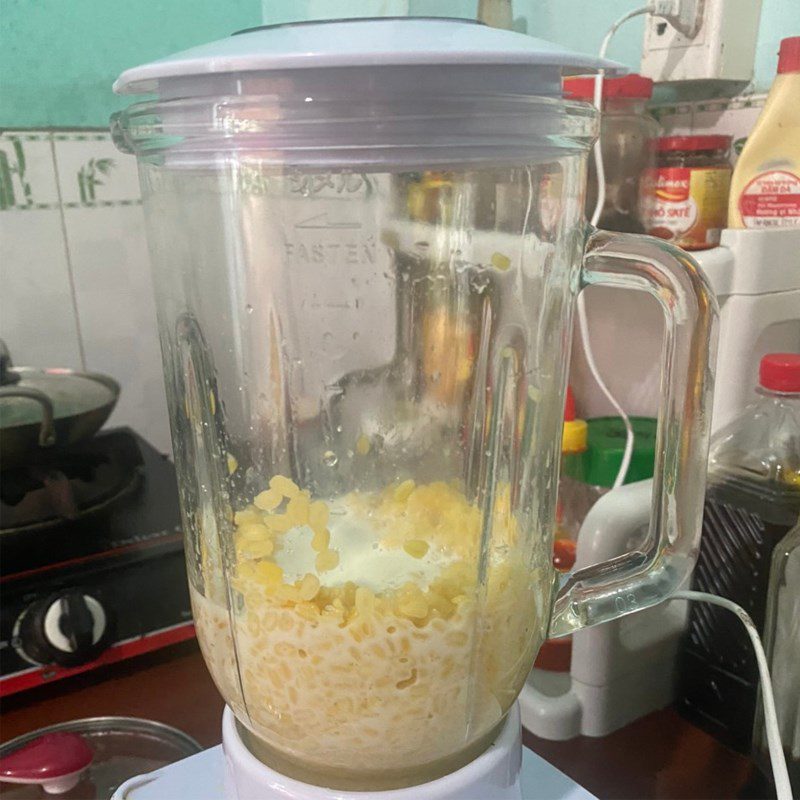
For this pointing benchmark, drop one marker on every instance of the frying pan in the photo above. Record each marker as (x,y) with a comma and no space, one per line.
(42,409)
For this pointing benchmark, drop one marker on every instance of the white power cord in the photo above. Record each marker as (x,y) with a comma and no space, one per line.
(627,453)
(583,322)
(778,760)
(598,103)
(780,773)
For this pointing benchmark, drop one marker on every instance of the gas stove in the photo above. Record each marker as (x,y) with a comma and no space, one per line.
(91,560)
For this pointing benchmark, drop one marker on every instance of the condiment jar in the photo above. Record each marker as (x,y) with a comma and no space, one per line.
(627,134)
(687,193)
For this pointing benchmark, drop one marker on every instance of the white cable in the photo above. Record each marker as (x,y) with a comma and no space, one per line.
(627,454)
(583,322)
(778,760)
(776,756)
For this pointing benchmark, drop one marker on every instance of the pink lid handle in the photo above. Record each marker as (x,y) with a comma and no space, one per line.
(55,760)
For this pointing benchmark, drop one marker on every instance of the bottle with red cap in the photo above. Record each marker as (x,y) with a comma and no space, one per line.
(765,190)
(626,134)
(555,655)
(572,505)
(752,501)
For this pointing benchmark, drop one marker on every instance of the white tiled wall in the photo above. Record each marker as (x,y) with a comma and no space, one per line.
(75,287)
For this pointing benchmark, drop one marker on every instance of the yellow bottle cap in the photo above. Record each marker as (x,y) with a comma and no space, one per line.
(575,436)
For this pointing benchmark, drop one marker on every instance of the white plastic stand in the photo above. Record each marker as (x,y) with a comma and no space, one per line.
(756,277)
(623,669)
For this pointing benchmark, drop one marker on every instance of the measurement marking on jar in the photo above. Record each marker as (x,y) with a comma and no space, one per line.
(320,222)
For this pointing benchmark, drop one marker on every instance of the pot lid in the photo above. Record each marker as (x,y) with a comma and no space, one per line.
(98,753)
(70,393)
(66,393)
(401,41)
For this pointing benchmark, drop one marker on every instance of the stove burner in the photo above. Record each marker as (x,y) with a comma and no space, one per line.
(69,483)
(123,550)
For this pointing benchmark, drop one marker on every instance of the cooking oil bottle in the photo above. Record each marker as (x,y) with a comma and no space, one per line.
(752,501)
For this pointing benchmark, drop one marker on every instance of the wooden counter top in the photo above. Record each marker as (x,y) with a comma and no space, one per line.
(659,756)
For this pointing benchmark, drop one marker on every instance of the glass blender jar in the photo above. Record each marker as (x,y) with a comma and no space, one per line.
(367,239)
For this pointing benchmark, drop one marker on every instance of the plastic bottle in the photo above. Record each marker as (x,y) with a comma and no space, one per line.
(782,645)
(591,455)
(752,500)
(588,474)
(765,189)
(574,441)
(555,655)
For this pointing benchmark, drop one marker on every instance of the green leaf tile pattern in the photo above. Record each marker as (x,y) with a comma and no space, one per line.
(95,175)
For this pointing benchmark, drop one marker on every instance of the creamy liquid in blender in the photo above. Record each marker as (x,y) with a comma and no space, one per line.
(364,645)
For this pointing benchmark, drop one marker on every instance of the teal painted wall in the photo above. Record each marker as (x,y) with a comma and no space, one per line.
(58,58)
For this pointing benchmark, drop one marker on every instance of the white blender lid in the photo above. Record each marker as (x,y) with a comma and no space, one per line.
(405,41)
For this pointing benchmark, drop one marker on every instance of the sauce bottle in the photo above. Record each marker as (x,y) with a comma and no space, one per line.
(765,189)
(782,645)
(571,509)
(752,501)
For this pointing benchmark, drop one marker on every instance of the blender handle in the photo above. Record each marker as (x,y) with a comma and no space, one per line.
(645,577)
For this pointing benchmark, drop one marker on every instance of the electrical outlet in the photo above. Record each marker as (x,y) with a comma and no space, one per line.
(686,16)
(723,47)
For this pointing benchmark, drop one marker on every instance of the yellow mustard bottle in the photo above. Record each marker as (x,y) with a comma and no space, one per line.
(765,188)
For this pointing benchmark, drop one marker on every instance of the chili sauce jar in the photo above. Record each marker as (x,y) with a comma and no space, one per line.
(685,198)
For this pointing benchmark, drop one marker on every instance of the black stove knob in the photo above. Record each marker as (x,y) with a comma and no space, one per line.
(66,629)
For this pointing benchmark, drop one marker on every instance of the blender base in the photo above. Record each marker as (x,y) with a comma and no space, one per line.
(493,775)
(506,771)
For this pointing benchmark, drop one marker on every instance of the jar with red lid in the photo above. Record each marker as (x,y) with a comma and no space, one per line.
(686,195)
(627,134)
